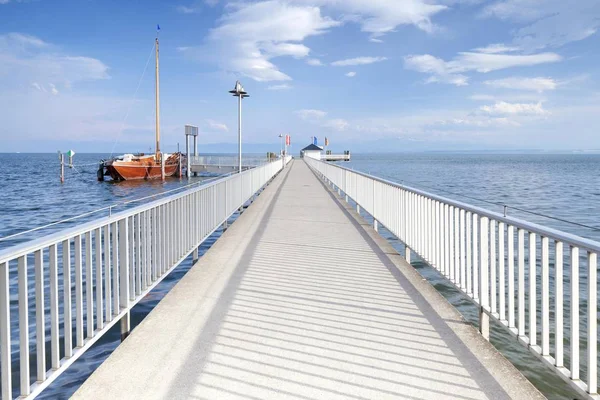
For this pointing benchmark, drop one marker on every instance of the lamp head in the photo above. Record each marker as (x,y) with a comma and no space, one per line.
(238,90)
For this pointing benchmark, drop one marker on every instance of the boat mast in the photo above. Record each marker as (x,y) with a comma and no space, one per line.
(157,105)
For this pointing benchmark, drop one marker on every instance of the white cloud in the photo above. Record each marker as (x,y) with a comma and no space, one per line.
(481,62)
(27,59)
(496,48)
(337,124)
(511,97)
(217,125)
(358,61)
(250,35)
(187,10)
(451,71)
(311,114)
(53,89)
(375,40)
(551,23)
(315,62)
(478,121)
(4,1)
(351,74)
(436,67)
(533,84)
(283,86)
(379,17)
(504,108)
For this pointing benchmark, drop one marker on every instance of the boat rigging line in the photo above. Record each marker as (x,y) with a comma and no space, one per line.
(132,101)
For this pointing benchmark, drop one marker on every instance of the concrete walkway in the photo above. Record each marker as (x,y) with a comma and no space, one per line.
(300,299)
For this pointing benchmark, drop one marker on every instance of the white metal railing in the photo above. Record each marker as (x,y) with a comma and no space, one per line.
(506,265)
(93,274)
(226,161)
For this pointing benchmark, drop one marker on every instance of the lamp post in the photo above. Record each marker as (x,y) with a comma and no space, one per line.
(281,150)
(239,92)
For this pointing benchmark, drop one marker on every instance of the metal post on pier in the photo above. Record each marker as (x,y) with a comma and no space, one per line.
(281,150)
(190,130)
(196,147)
(239,92)
(187,156)
(61,157)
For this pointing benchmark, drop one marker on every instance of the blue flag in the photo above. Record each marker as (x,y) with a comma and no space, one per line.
(315,140)
(157,27)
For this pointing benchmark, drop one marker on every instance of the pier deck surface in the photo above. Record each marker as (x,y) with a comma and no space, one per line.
(301,299)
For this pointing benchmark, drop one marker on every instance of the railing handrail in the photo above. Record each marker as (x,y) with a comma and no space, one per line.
(570,238)
(20,249)
(490,257)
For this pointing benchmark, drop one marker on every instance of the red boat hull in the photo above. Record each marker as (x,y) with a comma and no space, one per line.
(143,168)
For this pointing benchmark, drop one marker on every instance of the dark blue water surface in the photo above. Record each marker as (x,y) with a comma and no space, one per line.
(563,186)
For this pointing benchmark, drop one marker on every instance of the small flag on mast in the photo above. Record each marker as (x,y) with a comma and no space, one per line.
(326,141)
(315,140)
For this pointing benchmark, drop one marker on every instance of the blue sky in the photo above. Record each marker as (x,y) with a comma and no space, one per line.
(376,75)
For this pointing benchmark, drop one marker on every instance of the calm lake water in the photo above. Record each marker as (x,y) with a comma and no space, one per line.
(563,186)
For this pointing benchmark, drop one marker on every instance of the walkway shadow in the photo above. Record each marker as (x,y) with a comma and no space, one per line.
(327,327)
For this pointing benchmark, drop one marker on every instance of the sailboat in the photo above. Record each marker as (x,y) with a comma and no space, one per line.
(143,166)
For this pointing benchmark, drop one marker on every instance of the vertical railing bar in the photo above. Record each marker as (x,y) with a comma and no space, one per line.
(558,307)
(484,276)
(511,276)
(123,263)
(78,293)
(469,249)
(592,324)
(521,281)
(5,350)
(463,267)
(138,254)
(475,258)
(545,298)
(68,322)
(89,285)
(23,325)
(149,259)
(54,327)
(107,273)
(98,281)
(155,244)
(40,319)
(457,266)
(130,249)
(115,269)
(493,292)
(532,290)
(501,272)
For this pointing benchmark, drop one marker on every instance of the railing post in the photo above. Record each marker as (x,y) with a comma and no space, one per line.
(124,276)
(592,324)
(574,313)
(23,324)
(5,352)
(484,297)
(532,290)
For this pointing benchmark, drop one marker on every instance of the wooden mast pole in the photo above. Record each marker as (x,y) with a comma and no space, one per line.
(157,105)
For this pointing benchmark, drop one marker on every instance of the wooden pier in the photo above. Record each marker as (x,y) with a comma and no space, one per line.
(302,299)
